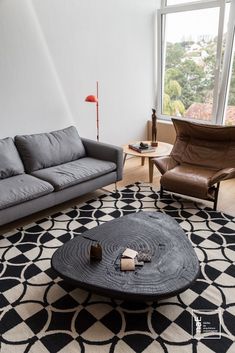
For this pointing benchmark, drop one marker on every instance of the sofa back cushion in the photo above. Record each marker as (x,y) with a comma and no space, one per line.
(45,150)
(10,162)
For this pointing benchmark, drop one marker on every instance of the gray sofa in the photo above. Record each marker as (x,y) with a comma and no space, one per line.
(42,170)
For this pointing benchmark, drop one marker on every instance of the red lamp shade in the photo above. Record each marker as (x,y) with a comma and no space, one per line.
(91,99)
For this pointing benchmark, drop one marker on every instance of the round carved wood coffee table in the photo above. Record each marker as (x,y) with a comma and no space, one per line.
(173,268)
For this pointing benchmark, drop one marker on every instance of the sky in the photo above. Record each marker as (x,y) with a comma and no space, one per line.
(176,2)
(191,25)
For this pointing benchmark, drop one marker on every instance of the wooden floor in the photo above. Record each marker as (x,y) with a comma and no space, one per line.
(133,171)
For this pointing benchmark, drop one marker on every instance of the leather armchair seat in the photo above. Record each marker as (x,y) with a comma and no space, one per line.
(202,156)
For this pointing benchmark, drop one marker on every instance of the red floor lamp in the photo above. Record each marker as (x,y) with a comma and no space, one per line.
(95,99)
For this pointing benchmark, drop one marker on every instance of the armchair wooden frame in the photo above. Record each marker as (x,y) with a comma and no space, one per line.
(215,201)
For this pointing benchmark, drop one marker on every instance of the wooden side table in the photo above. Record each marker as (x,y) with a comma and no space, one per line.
(163,149)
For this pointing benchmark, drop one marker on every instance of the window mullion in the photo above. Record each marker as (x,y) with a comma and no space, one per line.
(218,62)
(160,50)
(226,66)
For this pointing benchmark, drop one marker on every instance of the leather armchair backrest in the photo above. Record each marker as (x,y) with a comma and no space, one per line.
(209,146)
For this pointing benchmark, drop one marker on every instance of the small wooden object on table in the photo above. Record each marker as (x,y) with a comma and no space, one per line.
(163,149)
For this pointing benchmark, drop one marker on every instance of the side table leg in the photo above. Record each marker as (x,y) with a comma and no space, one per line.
(142,160)
(150,170)
(124,159)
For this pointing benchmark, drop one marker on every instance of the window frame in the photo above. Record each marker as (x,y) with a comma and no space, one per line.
(221,76)
(227,67)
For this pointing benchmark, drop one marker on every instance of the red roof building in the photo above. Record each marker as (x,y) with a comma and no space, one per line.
(203,111)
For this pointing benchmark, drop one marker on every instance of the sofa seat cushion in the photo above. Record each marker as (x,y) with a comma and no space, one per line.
(22,188)
(68,174)
(10,162)
(46,150)
(189,180)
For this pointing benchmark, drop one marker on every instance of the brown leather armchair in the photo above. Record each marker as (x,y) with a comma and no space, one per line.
(202,156)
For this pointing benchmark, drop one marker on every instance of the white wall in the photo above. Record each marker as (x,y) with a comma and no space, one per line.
(31,99)
(110,41)
(53,52)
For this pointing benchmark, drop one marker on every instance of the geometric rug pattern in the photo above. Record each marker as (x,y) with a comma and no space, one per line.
(41,313)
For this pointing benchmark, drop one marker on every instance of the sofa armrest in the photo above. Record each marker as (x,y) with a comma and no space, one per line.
(106,152)
(223,174)
(164,163)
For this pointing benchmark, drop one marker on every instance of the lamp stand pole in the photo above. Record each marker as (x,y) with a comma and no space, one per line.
(97,111)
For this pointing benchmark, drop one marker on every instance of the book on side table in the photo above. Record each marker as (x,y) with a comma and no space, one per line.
(141,148)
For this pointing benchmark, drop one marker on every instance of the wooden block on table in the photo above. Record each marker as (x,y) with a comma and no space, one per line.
(129,253)
(127,265)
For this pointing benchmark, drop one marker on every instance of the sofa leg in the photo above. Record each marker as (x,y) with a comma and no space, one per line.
(161,191)
(116,189)
(216,197)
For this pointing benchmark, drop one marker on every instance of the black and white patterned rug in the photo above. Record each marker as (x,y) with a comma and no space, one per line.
(41,313)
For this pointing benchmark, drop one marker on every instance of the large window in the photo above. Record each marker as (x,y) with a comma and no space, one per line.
(193,44)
